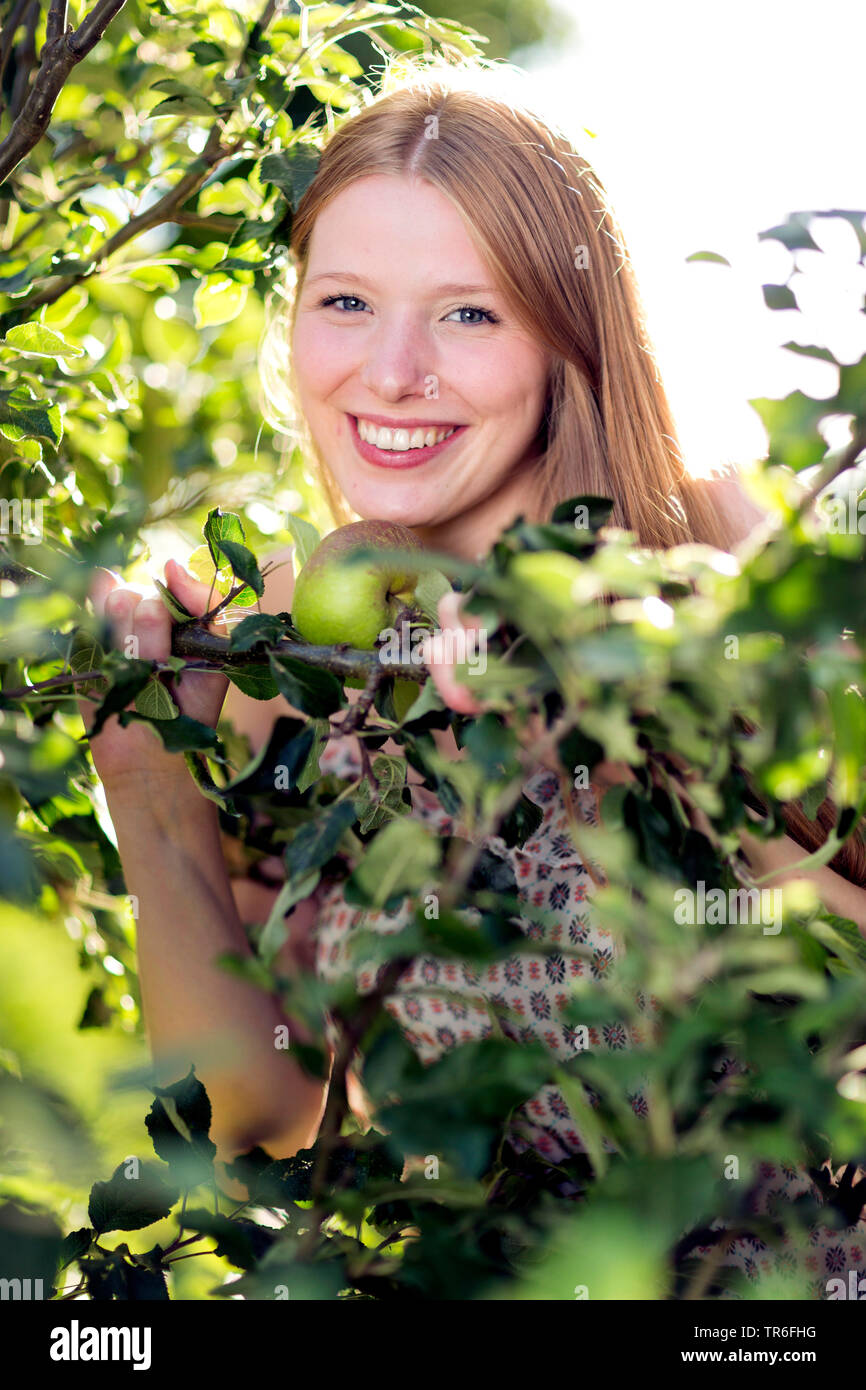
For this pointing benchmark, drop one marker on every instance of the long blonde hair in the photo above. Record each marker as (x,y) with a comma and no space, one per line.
(540,217)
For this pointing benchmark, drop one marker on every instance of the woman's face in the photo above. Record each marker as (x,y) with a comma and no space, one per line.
(401,334)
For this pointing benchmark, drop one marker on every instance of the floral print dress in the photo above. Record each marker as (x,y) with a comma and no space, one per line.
(439,1004)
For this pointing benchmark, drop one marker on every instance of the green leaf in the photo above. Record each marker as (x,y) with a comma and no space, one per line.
(179,1125)
(794,233)
(23,416)
(154,701)
(311,772)
(243,564)
(852,389)
(584,507)
(255,681)
(275,932)
(222,526)
(316,843)
(130,1203)
(402,858)
(178,733)
(307,688)
(779,297)
(87,655)
(305,537)
(291,170)
(75,1244)
(258,627)
(792,426)
(431,587)
(191,105)
(174,605)
(239,1242)
(204,53)
(218,300)
(35,340)
(375,809)
(708,256)
(278,763)
(126,678)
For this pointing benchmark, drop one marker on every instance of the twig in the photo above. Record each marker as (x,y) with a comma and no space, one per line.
(58,59)
(62,51)
(337,1103)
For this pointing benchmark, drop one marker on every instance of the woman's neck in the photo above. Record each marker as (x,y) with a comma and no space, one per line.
(472,534)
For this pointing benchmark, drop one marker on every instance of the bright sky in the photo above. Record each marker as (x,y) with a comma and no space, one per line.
(711,124)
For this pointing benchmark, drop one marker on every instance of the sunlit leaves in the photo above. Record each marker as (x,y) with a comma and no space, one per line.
(35,340)
(218,300)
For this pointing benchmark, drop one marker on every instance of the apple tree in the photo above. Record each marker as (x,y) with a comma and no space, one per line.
(726,684)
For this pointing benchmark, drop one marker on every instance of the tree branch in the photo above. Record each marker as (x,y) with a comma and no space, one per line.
(196,643)
(9,29)
(59,56)
(58,59)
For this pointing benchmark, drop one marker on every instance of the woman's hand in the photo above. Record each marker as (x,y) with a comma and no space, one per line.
(123,755)
(438,654)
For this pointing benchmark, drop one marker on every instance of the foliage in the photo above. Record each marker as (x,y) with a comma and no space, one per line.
(723,682)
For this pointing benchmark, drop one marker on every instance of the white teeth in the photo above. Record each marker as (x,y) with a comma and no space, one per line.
(401,439)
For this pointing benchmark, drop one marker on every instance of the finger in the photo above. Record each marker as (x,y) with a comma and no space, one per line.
(103,583)
(450,614)
(193,594)
(120,606)
(435,656)
(152,630)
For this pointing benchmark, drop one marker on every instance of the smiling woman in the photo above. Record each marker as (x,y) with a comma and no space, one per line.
(426,407)
(485,288)
(466,346)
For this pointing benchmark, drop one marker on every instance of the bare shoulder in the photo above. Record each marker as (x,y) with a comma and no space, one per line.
(731,500)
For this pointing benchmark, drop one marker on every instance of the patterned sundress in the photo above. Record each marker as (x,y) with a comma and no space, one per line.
(440,1004)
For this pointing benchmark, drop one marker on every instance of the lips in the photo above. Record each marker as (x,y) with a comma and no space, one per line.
(400,458)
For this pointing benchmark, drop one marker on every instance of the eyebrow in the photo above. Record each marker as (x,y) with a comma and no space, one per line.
(362,280)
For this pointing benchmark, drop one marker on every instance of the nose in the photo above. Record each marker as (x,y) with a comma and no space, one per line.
(397,359)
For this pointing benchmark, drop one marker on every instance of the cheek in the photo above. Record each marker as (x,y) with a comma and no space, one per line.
(321,360)
(512,387)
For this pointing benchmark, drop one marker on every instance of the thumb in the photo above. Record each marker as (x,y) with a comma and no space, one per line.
(193,594)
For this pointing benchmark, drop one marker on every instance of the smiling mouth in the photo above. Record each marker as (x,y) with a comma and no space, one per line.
(401,446)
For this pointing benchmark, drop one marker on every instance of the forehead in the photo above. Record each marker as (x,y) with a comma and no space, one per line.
(385,222)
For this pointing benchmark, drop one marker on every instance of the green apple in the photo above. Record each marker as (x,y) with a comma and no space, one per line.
(405,695)
(547,578)
(337,602)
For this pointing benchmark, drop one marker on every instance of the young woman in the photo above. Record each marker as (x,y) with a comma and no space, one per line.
(466,345)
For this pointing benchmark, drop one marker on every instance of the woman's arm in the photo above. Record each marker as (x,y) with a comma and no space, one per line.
(195,1011)
(169,843)
(843,898)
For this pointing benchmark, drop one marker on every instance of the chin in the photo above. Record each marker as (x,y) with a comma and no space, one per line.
(382,506)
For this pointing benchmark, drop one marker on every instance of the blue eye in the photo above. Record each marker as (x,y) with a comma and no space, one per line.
(336,298)
(486,315)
